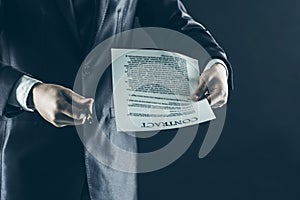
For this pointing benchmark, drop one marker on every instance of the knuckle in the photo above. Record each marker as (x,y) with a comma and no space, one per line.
(222,102)
(56,125)
(225,95)
(55,117)
(225,101)
(51,118)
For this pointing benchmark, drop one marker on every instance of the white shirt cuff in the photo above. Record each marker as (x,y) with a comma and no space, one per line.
(21,91)
(211,63)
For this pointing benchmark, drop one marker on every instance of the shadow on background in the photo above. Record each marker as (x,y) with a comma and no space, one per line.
(258,155)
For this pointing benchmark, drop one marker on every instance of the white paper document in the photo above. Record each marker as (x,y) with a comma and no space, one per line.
(152,90)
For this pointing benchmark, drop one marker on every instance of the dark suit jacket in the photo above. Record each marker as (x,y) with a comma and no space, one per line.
(40,38)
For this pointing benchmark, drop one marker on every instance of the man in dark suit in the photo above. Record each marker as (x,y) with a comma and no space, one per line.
(42,46)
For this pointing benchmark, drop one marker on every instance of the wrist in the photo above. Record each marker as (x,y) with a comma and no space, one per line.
(219,63)
(220,69)
(30,98)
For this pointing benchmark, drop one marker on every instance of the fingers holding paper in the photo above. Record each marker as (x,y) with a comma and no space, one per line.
(213,86)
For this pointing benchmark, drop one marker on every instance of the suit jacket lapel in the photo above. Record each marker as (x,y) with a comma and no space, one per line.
(67,11)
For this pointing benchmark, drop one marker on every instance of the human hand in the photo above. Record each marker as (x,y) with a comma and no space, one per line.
(54,104)
(213,82)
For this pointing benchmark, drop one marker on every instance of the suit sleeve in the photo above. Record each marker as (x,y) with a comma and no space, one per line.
(8,76)
(173,15)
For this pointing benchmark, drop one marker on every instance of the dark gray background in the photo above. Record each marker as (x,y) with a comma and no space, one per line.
(258,154)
